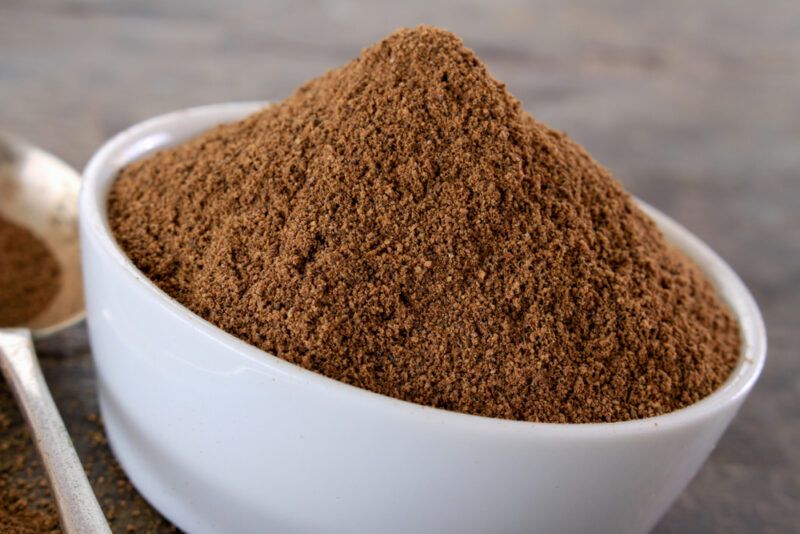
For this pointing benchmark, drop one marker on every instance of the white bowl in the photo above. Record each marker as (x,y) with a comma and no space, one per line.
(222,437)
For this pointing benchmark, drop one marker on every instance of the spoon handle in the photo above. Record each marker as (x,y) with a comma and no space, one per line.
(77,505)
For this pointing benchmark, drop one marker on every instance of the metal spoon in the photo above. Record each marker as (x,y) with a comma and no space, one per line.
(40,192)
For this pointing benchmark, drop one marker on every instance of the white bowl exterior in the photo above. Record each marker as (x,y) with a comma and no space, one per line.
(222,437)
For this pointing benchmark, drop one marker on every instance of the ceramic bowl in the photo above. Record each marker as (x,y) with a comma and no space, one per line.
(222,437)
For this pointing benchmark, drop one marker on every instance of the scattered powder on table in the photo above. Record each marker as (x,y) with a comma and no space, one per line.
(26,505)
(402,225)
(30,276)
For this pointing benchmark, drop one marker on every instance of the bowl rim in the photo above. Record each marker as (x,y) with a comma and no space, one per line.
(93,219)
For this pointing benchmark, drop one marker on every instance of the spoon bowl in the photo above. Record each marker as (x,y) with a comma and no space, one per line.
(40,192)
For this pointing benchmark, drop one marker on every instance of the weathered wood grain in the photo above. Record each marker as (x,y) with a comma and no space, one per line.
(694,105)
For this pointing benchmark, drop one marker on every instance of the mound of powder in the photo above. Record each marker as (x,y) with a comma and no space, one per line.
(402,225)
(30,276)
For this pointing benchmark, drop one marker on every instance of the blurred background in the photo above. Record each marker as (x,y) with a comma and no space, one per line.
(694,105)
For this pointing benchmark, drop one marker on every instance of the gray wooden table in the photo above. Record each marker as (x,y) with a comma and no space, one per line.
(694,105)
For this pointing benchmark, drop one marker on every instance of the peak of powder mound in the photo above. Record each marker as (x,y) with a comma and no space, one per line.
(402,225)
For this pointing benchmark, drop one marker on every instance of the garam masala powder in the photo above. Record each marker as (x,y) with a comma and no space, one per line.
(401,224)
(30,276)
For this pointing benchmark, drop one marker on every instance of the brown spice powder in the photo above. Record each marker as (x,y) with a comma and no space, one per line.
(30,276)
(26,505)
(402,225)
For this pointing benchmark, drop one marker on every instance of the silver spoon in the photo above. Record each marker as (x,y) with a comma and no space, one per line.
(40,193)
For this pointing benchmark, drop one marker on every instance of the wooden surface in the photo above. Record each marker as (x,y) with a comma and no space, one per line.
(694,105)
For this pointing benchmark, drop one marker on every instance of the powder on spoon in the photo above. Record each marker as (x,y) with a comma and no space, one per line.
(29,280)
(30,276)
(401,224)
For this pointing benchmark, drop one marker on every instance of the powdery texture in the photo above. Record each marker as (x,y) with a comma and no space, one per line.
(30,276)
(402,225)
